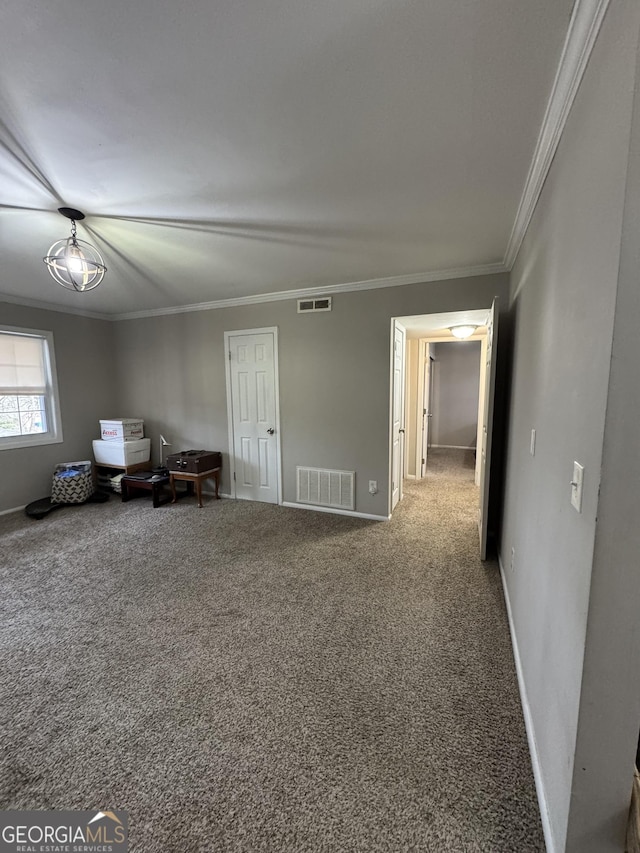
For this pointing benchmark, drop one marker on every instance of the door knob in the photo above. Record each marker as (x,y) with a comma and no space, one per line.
(271,430)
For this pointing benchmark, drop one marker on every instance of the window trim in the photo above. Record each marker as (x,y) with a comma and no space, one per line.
(53,435)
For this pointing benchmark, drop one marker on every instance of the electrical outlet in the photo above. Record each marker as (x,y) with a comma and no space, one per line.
(373,487)
(513,560)
(576,486)
(532,446)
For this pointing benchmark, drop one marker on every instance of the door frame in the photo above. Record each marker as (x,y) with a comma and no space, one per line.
(491,355)
(276,379)
(423,350)
(396,324)
(424,356)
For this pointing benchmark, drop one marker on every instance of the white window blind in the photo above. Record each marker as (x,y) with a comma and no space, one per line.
(22,364)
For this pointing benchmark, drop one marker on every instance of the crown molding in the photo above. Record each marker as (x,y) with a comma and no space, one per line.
(50,306)
(278,296)
(586,19)
(329,290)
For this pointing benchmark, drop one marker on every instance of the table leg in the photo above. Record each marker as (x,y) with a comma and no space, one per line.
(172,483)
(124,489)
(216,478)
(199,490)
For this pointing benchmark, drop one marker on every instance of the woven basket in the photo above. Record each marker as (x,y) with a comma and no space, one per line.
(72,483)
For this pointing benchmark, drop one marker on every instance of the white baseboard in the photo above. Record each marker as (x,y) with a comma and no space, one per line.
(294,505)
(528,722)
(13,509)
(211,493)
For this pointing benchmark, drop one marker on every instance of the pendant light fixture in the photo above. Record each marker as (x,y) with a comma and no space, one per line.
(74,263)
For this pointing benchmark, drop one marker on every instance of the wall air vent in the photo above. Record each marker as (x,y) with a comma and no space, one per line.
(322,487)
(307,305)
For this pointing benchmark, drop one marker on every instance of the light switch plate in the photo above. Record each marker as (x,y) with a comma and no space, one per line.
(576,486)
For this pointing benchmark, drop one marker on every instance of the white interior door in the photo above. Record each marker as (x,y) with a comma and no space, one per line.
(253,430)
(487,426)
(427,409)
(397,412)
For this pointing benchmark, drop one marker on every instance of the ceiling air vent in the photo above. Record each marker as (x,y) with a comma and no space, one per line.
(306,305)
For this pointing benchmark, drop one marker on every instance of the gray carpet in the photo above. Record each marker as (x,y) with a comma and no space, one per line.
(246,677)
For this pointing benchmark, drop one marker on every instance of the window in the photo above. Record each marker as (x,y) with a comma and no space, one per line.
(29,411)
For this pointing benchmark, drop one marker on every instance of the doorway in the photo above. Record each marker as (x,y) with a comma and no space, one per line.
(253,414)
(452,374)
(424,334)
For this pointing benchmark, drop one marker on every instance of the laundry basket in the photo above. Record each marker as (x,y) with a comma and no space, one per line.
(72,483)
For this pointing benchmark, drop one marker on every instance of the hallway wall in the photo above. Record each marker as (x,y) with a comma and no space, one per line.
(456,378)
(564,291)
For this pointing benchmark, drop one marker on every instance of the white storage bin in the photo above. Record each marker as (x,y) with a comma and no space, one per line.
(118,429)
(122,452)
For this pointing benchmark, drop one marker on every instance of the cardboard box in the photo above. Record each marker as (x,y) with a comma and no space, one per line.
(128,452)
(120,429)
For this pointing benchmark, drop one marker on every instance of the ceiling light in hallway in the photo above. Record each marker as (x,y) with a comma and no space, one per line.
(462,331)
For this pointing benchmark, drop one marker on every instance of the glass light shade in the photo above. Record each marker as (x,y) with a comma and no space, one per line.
(75,264)
(462,331)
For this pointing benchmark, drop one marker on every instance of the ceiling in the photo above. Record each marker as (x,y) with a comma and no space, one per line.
(224,150)
(439,325)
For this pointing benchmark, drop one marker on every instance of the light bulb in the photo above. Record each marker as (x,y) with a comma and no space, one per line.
(76,260)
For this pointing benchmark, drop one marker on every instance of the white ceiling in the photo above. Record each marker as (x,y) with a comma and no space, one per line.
(439,325)
(233,149)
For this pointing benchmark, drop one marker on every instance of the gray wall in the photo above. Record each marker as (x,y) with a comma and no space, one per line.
(87,387)
(334,376)
(456,382)
(564,298)
(610,681)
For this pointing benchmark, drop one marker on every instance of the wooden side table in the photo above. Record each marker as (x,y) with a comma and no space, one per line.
(126,469)
(155,486)
(102,469)
(190,479)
